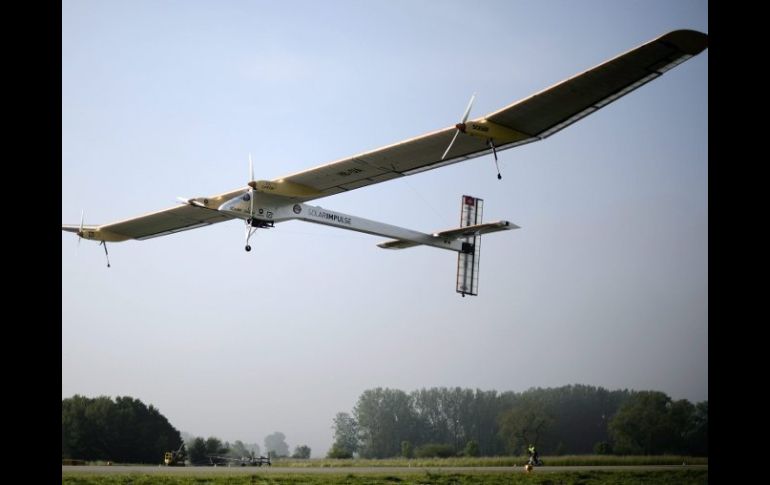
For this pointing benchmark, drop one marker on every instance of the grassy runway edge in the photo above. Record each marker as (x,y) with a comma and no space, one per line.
(584,477)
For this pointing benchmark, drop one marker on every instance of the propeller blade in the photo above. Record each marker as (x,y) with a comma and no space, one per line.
(468,109)
(460,126)
(80,232)
(253,191)
(450,144)
(193,202)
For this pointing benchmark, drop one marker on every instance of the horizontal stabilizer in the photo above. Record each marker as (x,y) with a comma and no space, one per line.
(398,244)
(477,230)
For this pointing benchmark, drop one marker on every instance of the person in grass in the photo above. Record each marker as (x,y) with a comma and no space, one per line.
(534,457)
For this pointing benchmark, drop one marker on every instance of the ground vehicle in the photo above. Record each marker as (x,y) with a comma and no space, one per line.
(259,461)
(242,461)
(535,461)
(175,458)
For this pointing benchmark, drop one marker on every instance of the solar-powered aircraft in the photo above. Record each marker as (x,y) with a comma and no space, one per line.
(263,203)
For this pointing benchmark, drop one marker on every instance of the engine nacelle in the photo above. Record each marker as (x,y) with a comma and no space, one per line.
(487,129)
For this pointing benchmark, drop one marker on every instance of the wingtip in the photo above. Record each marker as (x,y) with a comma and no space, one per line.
(690,42)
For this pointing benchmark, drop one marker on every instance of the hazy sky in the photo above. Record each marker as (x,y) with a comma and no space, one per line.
(606,283)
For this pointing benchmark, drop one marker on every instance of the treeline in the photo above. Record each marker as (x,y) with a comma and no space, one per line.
(572,419)
(123,430)
(201,450)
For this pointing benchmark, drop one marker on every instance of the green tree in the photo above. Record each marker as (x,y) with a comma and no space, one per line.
(575,418)
(197,451)
(385,418)
(239,449)
(651,423)
(124,430)
(458,408)
(301,452)
(603,448)
(275,445)
(698,432)
(580,416)
(480,421)
(345,435)
(337,452)
(434,450)
(431,420)
(559,449)
(471,448)
(407,450)
(680,415)
(214,446)
(524,423)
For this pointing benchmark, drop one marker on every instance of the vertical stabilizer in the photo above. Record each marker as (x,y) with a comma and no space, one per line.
(468,259)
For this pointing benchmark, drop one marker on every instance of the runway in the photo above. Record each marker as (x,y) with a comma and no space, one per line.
(252,470)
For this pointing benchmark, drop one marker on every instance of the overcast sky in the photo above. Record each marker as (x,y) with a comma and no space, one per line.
(606,282)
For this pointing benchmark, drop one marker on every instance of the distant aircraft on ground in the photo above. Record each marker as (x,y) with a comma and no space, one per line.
(262,203)
(218,460)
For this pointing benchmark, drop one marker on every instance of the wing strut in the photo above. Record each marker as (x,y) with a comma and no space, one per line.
(249,232)
(251,228)
(491,143)
(104,243)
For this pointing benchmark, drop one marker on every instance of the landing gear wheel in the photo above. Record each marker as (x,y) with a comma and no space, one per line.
(248,248)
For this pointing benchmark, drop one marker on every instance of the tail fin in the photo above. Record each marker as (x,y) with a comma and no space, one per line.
(466,240)
(468,259)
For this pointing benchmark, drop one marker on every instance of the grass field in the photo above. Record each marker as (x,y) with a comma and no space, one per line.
(668,477)
(249,475)
(566,460)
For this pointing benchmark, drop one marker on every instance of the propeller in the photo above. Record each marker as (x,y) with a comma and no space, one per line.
(460,126)
(80,232)
(80,236)
(251,179)
(186,201)
(251,169)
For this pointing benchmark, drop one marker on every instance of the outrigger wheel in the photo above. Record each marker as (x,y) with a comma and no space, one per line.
(251,227)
